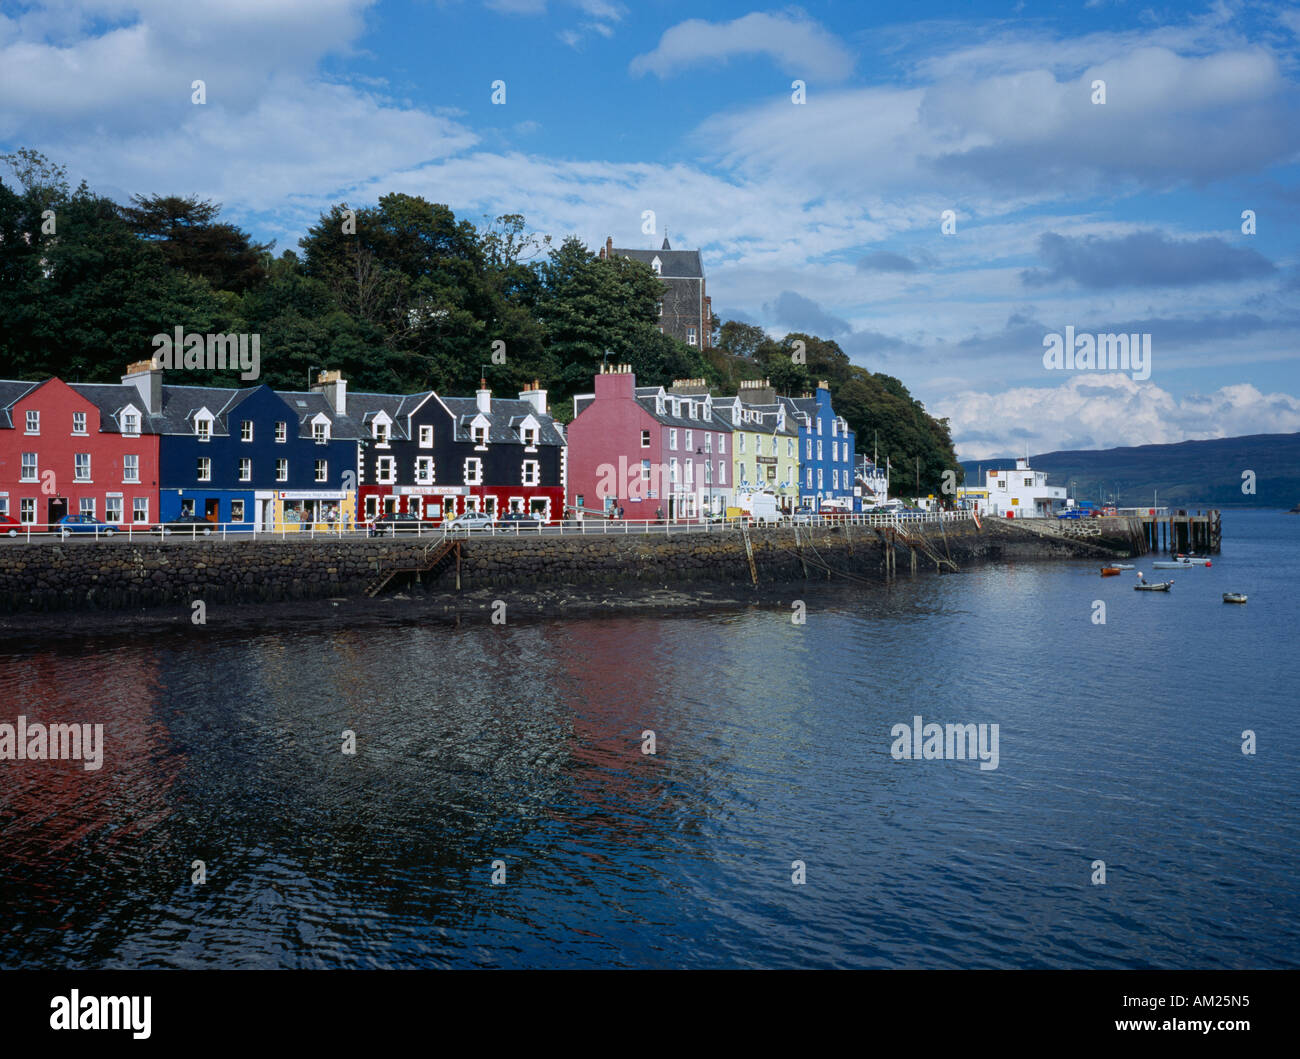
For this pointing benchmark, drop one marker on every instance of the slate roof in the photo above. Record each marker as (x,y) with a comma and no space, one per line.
(111,398)
(10,392)
(504,420)
(673,264)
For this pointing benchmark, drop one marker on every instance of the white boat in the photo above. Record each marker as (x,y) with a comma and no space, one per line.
(1234,597)
(1144,585)
(1121,566)
(1194,560)
(1180,564)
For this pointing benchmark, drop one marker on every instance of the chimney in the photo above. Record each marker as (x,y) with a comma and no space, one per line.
(609,247)
(148,380)
(535,396)
(689,387)
(757,391)
(484,397)
(822,384)
(616,380)
(335,389)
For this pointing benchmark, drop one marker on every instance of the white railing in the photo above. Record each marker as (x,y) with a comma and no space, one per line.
(292,531)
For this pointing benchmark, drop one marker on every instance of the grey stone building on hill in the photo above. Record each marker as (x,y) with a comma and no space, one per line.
(685,312)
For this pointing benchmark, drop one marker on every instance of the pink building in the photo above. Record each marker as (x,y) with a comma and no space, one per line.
(656,453)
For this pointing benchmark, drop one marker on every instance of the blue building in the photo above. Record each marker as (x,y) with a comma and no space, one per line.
(251,458)
(825,452)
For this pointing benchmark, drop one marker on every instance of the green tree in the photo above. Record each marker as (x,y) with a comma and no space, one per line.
(191,239)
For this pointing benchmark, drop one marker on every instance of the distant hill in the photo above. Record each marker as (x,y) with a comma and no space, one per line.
(1187,474)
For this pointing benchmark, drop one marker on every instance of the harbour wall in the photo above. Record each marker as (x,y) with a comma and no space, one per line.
(115,574)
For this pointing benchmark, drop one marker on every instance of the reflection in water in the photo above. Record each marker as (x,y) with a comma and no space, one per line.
(522,743)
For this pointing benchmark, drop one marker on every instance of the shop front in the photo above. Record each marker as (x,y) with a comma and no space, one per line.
(318,509)
(433,503)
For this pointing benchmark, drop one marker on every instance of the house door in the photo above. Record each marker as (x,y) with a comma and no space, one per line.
(212,510)
(268,514)
(56,509)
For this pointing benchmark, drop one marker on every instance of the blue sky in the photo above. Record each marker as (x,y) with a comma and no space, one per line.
(823,216)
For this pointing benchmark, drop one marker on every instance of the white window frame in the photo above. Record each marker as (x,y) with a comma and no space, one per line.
(203,469)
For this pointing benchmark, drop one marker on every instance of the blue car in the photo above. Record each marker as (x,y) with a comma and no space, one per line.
(85,524)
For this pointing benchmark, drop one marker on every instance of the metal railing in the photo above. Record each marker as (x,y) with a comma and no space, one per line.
(291,531)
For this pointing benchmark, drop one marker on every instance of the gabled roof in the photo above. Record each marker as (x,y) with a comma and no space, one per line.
(504,420)
(111,398)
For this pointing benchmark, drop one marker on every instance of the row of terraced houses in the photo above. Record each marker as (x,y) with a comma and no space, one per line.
(146,451)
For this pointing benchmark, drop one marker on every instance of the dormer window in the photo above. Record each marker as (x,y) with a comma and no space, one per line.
(203,428)
(657,265)
(380,432)
(478,434)
(320,432)
(130,423)
(530,437)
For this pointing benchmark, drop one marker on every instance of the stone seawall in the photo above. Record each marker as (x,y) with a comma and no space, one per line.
(105,575)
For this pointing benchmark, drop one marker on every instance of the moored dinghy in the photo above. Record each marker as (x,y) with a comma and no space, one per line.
(1110,571)
(1234,597)
(1144,585)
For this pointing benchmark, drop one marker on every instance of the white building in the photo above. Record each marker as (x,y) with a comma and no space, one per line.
(1023,493)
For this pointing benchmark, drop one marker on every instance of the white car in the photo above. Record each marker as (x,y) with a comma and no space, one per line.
(471,520)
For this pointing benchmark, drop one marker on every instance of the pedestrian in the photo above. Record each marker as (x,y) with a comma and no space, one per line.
(659,514)
(620,512)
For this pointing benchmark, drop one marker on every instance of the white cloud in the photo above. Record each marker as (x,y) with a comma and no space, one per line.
(799,46)
(1107,411)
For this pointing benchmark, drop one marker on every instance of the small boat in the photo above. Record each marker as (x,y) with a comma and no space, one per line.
(1234,597)
(1148,586)
(1121,566)
(1179,564)
(1194,560)
(1110,571)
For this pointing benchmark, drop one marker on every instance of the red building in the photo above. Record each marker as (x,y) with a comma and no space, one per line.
(68,450)
(656,453)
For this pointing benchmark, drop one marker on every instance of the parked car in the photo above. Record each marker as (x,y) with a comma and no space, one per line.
(471,520)
(521,520)
(187,525)
(802,516)
(11,526)
(1073,512)
(85,524)
(396,522)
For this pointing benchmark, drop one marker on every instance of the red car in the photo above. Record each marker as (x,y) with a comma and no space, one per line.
(11,526)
